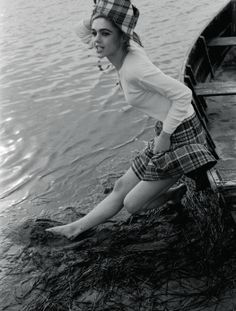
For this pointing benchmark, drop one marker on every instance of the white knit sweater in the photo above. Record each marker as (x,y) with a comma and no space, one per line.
(148,89)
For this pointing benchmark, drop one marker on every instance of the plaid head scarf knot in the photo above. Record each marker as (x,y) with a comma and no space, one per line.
(121,12)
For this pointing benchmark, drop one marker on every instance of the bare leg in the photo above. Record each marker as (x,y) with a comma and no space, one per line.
(130,192)
(106,209)
(149,194)
(174,194)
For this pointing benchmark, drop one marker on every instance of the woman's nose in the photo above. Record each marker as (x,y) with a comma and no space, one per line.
(97,38)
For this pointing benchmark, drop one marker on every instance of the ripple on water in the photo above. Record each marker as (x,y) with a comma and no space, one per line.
(61,117)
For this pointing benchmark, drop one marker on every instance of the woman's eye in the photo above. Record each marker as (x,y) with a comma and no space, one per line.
(103,33)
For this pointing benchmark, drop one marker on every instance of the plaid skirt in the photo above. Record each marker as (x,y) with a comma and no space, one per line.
(188,154)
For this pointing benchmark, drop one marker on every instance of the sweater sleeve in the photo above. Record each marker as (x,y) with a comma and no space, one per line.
(84,34)
(154,80)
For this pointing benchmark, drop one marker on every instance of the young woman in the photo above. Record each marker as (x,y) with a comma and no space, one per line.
(179,147)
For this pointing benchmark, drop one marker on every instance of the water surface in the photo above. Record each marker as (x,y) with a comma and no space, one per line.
(65,126)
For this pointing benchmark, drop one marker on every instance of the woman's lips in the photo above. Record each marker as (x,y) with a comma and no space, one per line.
(99,49)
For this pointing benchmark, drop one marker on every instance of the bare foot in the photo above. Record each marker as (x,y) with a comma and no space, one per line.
(70,231)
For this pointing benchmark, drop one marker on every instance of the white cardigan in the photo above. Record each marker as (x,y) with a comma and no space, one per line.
(147,88)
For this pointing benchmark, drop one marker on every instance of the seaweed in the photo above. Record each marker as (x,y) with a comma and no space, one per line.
(180,257)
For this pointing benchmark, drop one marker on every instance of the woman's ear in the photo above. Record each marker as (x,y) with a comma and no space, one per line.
(124,39)
(125,43)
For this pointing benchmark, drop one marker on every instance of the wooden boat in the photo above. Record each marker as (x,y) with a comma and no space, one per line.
(199,72)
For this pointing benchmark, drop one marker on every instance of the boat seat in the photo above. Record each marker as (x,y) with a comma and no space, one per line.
(215,88)
(222,41)
(222,178)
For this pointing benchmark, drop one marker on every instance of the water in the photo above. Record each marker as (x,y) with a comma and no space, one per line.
(65,126)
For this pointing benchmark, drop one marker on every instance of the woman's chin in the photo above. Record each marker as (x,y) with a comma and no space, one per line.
(99,55)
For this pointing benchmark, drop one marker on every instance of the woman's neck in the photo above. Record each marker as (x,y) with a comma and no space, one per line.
(118,59)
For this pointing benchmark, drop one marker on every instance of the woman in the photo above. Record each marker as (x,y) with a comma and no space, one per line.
(179,147)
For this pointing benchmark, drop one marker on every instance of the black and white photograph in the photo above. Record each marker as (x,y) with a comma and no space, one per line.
(118,155)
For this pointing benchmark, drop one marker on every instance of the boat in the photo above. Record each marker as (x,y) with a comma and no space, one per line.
(208,55)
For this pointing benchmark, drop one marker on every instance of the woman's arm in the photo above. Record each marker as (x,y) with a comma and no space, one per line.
(161,142)
(154,80)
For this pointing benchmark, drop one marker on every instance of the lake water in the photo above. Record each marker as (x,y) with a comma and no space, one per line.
(65,127)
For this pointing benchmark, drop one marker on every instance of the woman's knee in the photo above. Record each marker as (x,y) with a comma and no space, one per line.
(125,184)
(120,190)
(119,186)
(130,204)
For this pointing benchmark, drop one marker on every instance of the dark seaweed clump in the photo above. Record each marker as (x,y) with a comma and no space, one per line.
(181,257)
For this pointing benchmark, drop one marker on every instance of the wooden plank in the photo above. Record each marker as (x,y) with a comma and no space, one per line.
(234,17)
(227,170)
(215,88)
(197,103)
(215,179)
(189,72)
(227,186)
(222,41)
(207,56)
(201,115)
(192,80)
(222,178)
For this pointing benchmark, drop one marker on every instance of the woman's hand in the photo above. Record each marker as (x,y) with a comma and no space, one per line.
(161,142)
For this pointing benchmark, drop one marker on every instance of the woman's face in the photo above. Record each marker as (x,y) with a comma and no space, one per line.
(107,39)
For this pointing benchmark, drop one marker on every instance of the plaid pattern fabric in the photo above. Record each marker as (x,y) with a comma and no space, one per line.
(122,12)
(188,153)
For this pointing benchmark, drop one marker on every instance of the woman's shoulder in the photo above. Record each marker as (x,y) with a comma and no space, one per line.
(136,52)
(137,62)
(134,59)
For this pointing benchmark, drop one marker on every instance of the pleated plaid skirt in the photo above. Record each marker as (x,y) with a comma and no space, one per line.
(188,154)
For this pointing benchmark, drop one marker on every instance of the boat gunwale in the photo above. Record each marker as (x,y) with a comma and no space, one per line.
(217,181)
(194,42)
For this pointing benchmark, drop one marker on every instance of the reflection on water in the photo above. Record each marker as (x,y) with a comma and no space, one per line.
(64,123)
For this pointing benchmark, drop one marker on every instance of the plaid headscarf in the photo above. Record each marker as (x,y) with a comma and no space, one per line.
(121,12)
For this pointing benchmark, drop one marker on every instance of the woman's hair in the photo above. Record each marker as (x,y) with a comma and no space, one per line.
(137,38)
(126,38)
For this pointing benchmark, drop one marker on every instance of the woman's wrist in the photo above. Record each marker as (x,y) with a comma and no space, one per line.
(164,134)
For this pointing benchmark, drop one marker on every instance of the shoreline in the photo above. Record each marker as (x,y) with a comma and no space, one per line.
(44,263)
